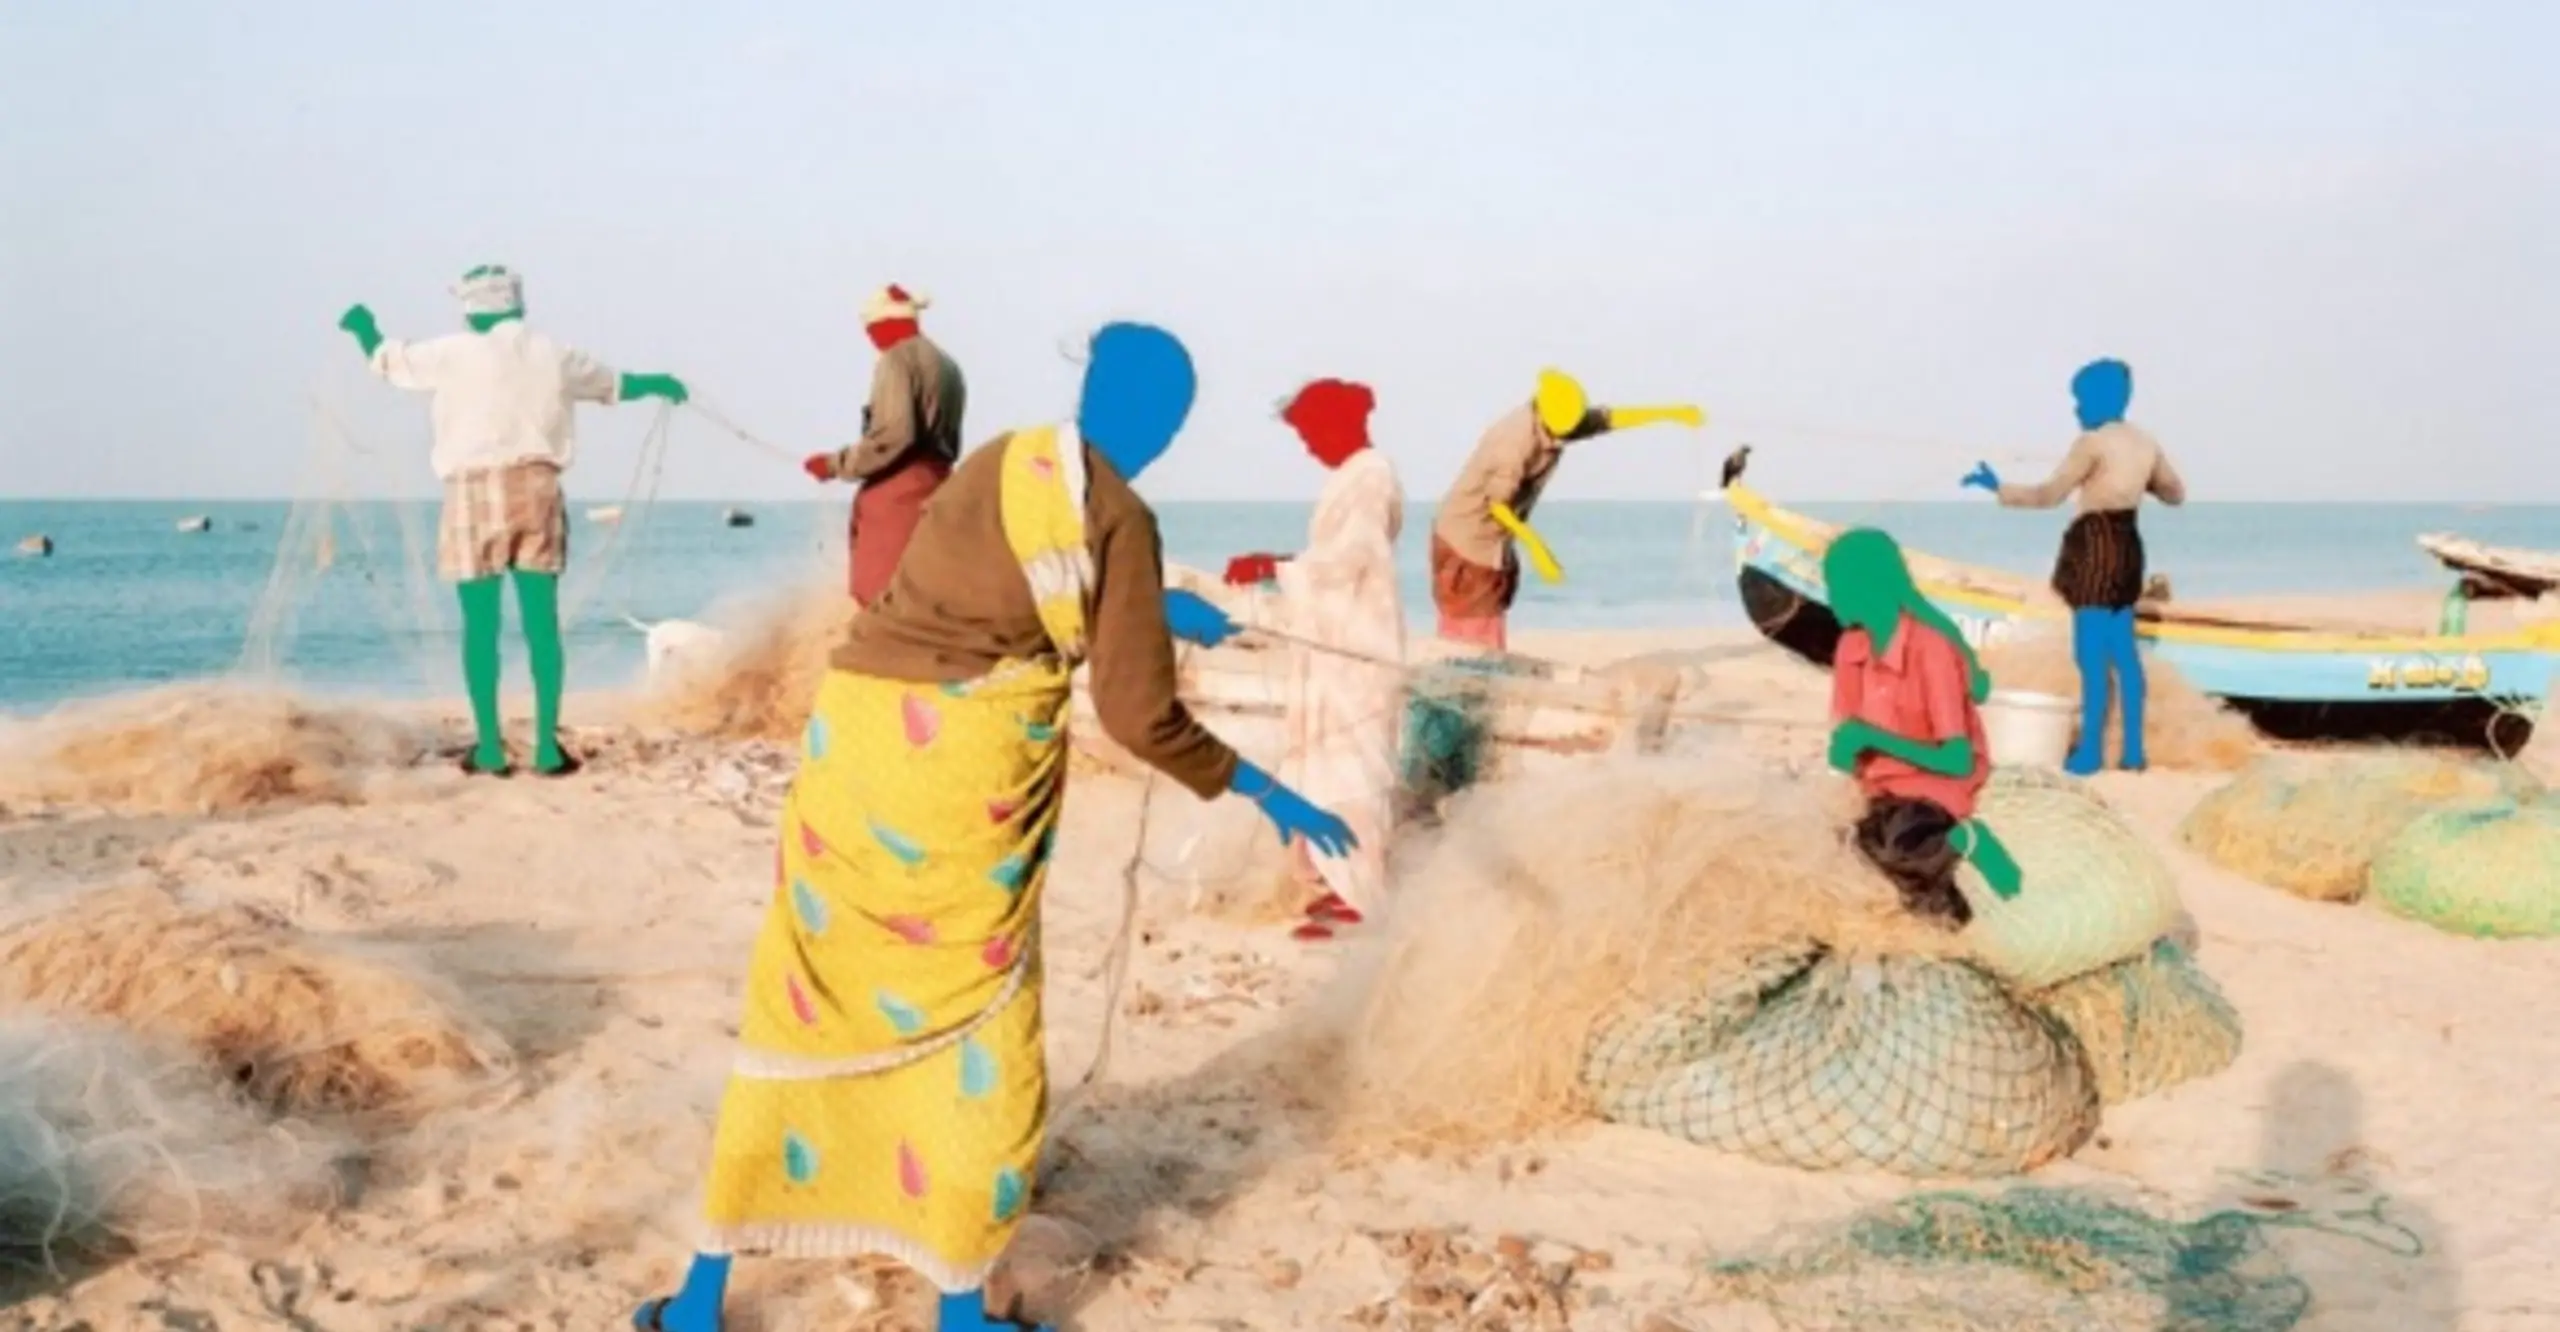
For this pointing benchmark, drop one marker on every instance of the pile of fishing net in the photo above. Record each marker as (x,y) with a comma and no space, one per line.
(2182,727)
(2313,825)
(2025,1260)
(109,1145)
(204,749)
(1692,945)
(297,1024)
(762,679)
(2489,868)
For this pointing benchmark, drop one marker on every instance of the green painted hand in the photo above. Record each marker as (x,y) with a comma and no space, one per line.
(1975,841)
(358,322)
(1849,740)
(654,386)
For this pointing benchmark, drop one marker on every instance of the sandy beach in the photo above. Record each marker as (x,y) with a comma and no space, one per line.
(601,924)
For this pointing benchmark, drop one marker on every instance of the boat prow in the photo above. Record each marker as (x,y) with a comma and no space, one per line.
(2491,573)
(2294,681)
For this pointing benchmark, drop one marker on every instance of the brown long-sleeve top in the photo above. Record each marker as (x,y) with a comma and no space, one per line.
(2112,467)
(1511,465)
(917,398)
(959,604)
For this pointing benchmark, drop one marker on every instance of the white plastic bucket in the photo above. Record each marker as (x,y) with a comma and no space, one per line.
(2028,729)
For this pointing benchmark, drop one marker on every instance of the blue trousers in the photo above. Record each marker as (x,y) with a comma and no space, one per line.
(2102,645)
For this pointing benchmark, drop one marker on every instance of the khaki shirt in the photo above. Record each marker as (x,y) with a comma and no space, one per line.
(959,604)
(2112,467)
(917,397)
(1511,465)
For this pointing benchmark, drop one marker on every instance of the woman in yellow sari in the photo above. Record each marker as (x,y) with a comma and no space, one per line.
(890,1095)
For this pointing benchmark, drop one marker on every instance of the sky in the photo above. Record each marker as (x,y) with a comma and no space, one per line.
(1871,239)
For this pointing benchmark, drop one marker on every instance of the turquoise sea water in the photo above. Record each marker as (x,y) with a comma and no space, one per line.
(127,600)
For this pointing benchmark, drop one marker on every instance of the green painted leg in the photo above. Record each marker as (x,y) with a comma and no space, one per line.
(1975,841)
(538,596)
(483,607)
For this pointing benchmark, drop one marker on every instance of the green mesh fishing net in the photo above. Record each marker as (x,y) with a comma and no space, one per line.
(2489,869)
(2093,892)
(2146,1023)
(1920,1066)
(2026,1260)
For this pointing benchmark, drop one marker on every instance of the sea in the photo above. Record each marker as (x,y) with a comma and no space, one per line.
(127,600)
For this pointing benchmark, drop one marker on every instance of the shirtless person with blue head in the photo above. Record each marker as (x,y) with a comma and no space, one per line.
(2099,572)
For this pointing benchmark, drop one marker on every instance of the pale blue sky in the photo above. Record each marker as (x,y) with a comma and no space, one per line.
(2325,233)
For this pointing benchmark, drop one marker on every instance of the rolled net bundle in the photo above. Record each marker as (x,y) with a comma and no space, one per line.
(2313,828)
(2146,1023)
(2092,891)
(1920,1066)
(2491,870)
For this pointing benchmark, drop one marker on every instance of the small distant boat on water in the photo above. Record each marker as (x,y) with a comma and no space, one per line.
(2294,680)
(605,515)
(37,546)
(2494,573)
(737,518)
(198,523)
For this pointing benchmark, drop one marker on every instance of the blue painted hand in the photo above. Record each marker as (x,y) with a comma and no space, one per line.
(1290,813)
(1982,478)
(1194,620)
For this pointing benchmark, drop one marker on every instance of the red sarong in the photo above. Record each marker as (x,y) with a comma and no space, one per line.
(885,512)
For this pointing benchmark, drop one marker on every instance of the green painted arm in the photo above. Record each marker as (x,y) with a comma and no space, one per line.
(1947,758)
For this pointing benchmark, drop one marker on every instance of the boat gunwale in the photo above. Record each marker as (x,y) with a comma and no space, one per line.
(2266,635)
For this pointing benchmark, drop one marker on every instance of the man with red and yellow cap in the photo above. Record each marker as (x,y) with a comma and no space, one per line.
(1475,573)
(910,438)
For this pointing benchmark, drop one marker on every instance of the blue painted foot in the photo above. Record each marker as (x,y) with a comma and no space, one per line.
(967,1312)
(696,1308)
(669,1316)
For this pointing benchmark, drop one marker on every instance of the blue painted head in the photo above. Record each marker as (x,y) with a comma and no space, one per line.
(1138,386)
(2101,392)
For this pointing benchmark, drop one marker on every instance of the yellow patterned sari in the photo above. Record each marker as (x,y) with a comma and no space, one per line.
(890,1095)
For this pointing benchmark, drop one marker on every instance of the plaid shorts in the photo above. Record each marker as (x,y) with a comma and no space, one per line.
(500,519)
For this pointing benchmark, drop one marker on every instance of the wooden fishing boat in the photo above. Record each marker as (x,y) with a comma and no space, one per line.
(36,547)
(2493,573)
(2293,680)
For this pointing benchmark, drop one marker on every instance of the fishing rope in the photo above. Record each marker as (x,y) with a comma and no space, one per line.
(718,418)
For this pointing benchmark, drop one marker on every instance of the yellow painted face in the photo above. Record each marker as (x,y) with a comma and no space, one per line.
(1561,403)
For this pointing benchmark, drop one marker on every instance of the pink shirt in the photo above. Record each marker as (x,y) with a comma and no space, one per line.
(1918,690)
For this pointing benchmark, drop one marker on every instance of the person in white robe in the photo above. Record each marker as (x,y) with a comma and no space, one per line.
(1346,686)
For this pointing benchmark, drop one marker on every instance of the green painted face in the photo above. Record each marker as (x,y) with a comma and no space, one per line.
(481,321)
(1870,582)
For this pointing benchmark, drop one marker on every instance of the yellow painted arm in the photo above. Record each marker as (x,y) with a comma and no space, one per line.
(1628,418)
(1540,558)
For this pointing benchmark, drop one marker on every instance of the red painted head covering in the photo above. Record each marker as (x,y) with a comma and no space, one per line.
(1332,416)
(890,315)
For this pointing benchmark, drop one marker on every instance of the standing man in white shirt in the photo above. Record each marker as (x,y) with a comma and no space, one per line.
(503,404)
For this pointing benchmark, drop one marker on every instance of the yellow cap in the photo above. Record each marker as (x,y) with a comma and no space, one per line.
(1561,403)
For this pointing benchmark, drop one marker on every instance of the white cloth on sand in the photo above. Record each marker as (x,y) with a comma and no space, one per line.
(1346,717)
(502,397)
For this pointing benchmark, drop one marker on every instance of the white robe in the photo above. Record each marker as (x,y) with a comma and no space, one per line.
(1346,717)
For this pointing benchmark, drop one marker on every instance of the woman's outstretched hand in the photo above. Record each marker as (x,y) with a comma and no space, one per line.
(1193,620)
(1290,813)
